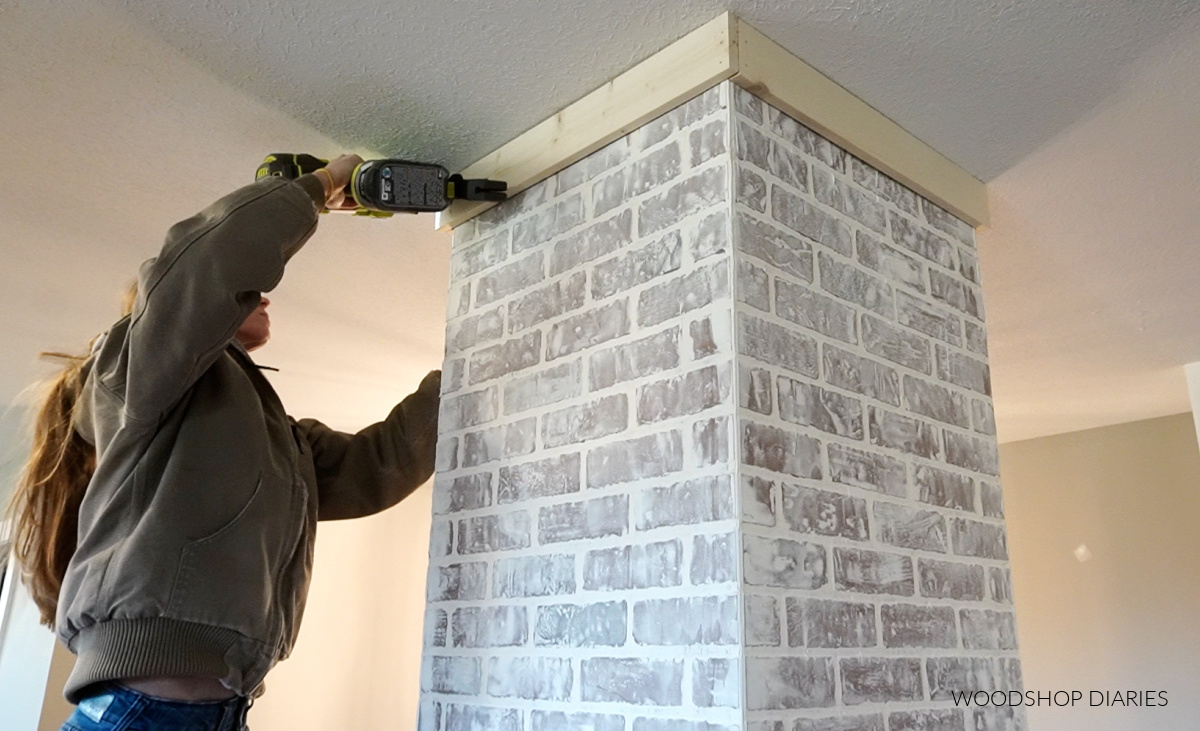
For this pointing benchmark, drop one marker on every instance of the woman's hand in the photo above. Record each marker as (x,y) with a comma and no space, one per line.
(339,171)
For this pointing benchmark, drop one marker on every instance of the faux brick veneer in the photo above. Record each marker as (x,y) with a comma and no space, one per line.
(717,448)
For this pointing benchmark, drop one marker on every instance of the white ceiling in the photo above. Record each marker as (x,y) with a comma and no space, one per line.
(118,118)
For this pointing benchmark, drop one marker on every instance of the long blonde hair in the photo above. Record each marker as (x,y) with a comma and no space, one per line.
(45,505)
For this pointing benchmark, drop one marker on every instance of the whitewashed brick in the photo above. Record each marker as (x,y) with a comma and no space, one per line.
(861,375)
(923,317)
(587,329)
(808,510)
(921,241)
(542,388)
(823,623)
(714,559)
(547,222)
(782,451)
(572,625)
(474,330)
(972,453)
(964,371)
(848,200)
(770,244)
(813,310)
(755,391)
(463,493)
(947,223)
(479,256)
(509,279)
(716,682)
(710,442)
(606,516)
(754,147)
(497,626)
(699,500)
(599,162)
(829,411)
(975,538)
(597,240)
(694,621)
(654,455)
(643,357)
(952,291)
(892,263)
(635,681)
(636,566)
(762,621)
(535,576)
(1000,585)
(775,345)
(884,187)
(869,470)
(457,582)
(908,527)
(880,680)
(936,402)
(690,393)
(559,721)
(753,286)
(750,188)
(985,629)
(918,625)
(683,294)
(437,623)
(473,718)
(888,429)
(992,500)
(806,140)
(585,422)
(897,345)
(685,197)
(452,675)
(947,489)
(758,500)
(707,142)
(976,337)
(950,580)
(841,723)
(543,478)
(639,266)
(466,410)
(550,301)
(782,563)
(501,442)
(653,170)
(797,214)
(489,533)
(789,682)
(711,235)
(983,418)
(531,678)
(872,572)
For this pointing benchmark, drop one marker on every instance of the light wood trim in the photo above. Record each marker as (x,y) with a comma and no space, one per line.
(772,73)
(662,82)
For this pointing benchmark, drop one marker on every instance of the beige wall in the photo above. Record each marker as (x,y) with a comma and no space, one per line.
(1127,619)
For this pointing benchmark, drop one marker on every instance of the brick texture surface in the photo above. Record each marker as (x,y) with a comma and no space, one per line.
(717,447)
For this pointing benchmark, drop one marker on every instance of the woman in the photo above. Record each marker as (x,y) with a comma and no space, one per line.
(166,518)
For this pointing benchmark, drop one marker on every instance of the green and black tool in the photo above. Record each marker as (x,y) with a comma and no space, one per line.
(384,187)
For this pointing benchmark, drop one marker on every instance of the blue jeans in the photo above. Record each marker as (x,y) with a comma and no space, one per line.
(117,708)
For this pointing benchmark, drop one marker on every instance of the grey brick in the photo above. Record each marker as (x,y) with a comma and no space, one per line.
(880,680)
(762,621)
(688,113)
(681,200)
(768,243)
(853,373)
(462,493)
(653,455)
(829,411)
(699,500)
(807,510)
(927,720)
(710,236)
(686,622)
(982,540)
(587,329)
(947,223)
(754,147)
(983,418)
(468,409)
(896,345)
(489,627)
(605,516)
(797,214)
(976,337)
(544,387)
(501,442)
(714,559)
(750,189)
(654,169)
(964,371)
(907,527)
(747,104)
(854,285)
(455,373)
(710,442)
(885,187)
(531,480)
(716,682)
(753,286)
(868,470)
(658,352)
(437,623)
(585,422)
(599,162)
(801,305)
(636,267)
(948,580)
(441,538)
(532,678)
(920,240)
(683,294)
(547,222)
(984,629)
(689,393)
(977,455)
(782,451)
(472,718)
(783,563)
(872,572)
(457,582)
(840,723)
(789,682)
(1001,718)
(559,721)
(806,140)
(610,192)
(924,317)
(511,356)
(891,263)
(992,499)
(956,293)
(947,489)
(573,625)
(633,681)
(535,576)
(936,402)
(848,200)
(1000,585)
(754,389)
(636,566)
(474,330)
(471,260)
(707,142)
(447,455)
(909,435)
(510,279)
(452,675)
(915,625)
(949,675)
(494,533)
(758,500)
(832,624)
(776,345)
(550,301)
(704,342)
(593,242)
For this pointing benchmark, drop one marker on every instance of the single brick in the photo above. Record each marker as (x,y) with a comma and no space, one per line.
(489,627)
(452,675)
(714,559)
(591,243)
(984,629)
(559,721)
(636,566)
(494,533)
(947,489)
(658,352)
(586,329)
(550,301)
(806,140)
(896,345)
(687,394)
(454,376)
(471,260)
(535,576)
(853,373)
(707,142)
(848,200)
(761,621)
(754,389)
(636,267)
(789,682)
(753,286)
(783,563)
(654,455)
(750,188)
(585,422)
(457,582)
(716,682)
(797,214)
(547,222)
(906,434)
(437,623)
(469,409)
(962,370)
(908,527)
(606,516)
(776,345)
(531,480)
(765,242)
(915,625)
(807,510)
(891,263)
(977,455)
(950,675)
(710,442)
(880,680)
(690,622)
(948,580)
(531,678)
(976,337)
(573,625)
(682,294)
(923,317)
(747,104)
(655,169)
(699,500)
(927,720)
(801,305)
(983,417)
(1000,585)
(782,451)
(501,442)
(447,455)
(830,623)
(544,387)
(829,411)
(472,718)
(474,330)
(682,199)
(922,241)
(951,290)
(867,470)
(462,493)
(884,187)
(510,279)
(631,680)
(704,342)
(709,236)
(610,192)
(982,540)
(872,572)
(441,538)
(758,500)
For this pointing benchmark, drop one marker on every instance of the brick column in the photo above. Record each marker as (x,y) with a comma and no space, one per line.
(717,448)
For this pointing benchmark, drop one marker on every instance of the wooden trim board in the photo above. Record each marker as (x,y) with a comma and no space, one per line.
(725,48)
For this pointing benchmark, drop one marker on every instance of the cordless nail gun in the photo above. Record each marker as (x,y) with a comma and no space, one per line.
(384,187)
